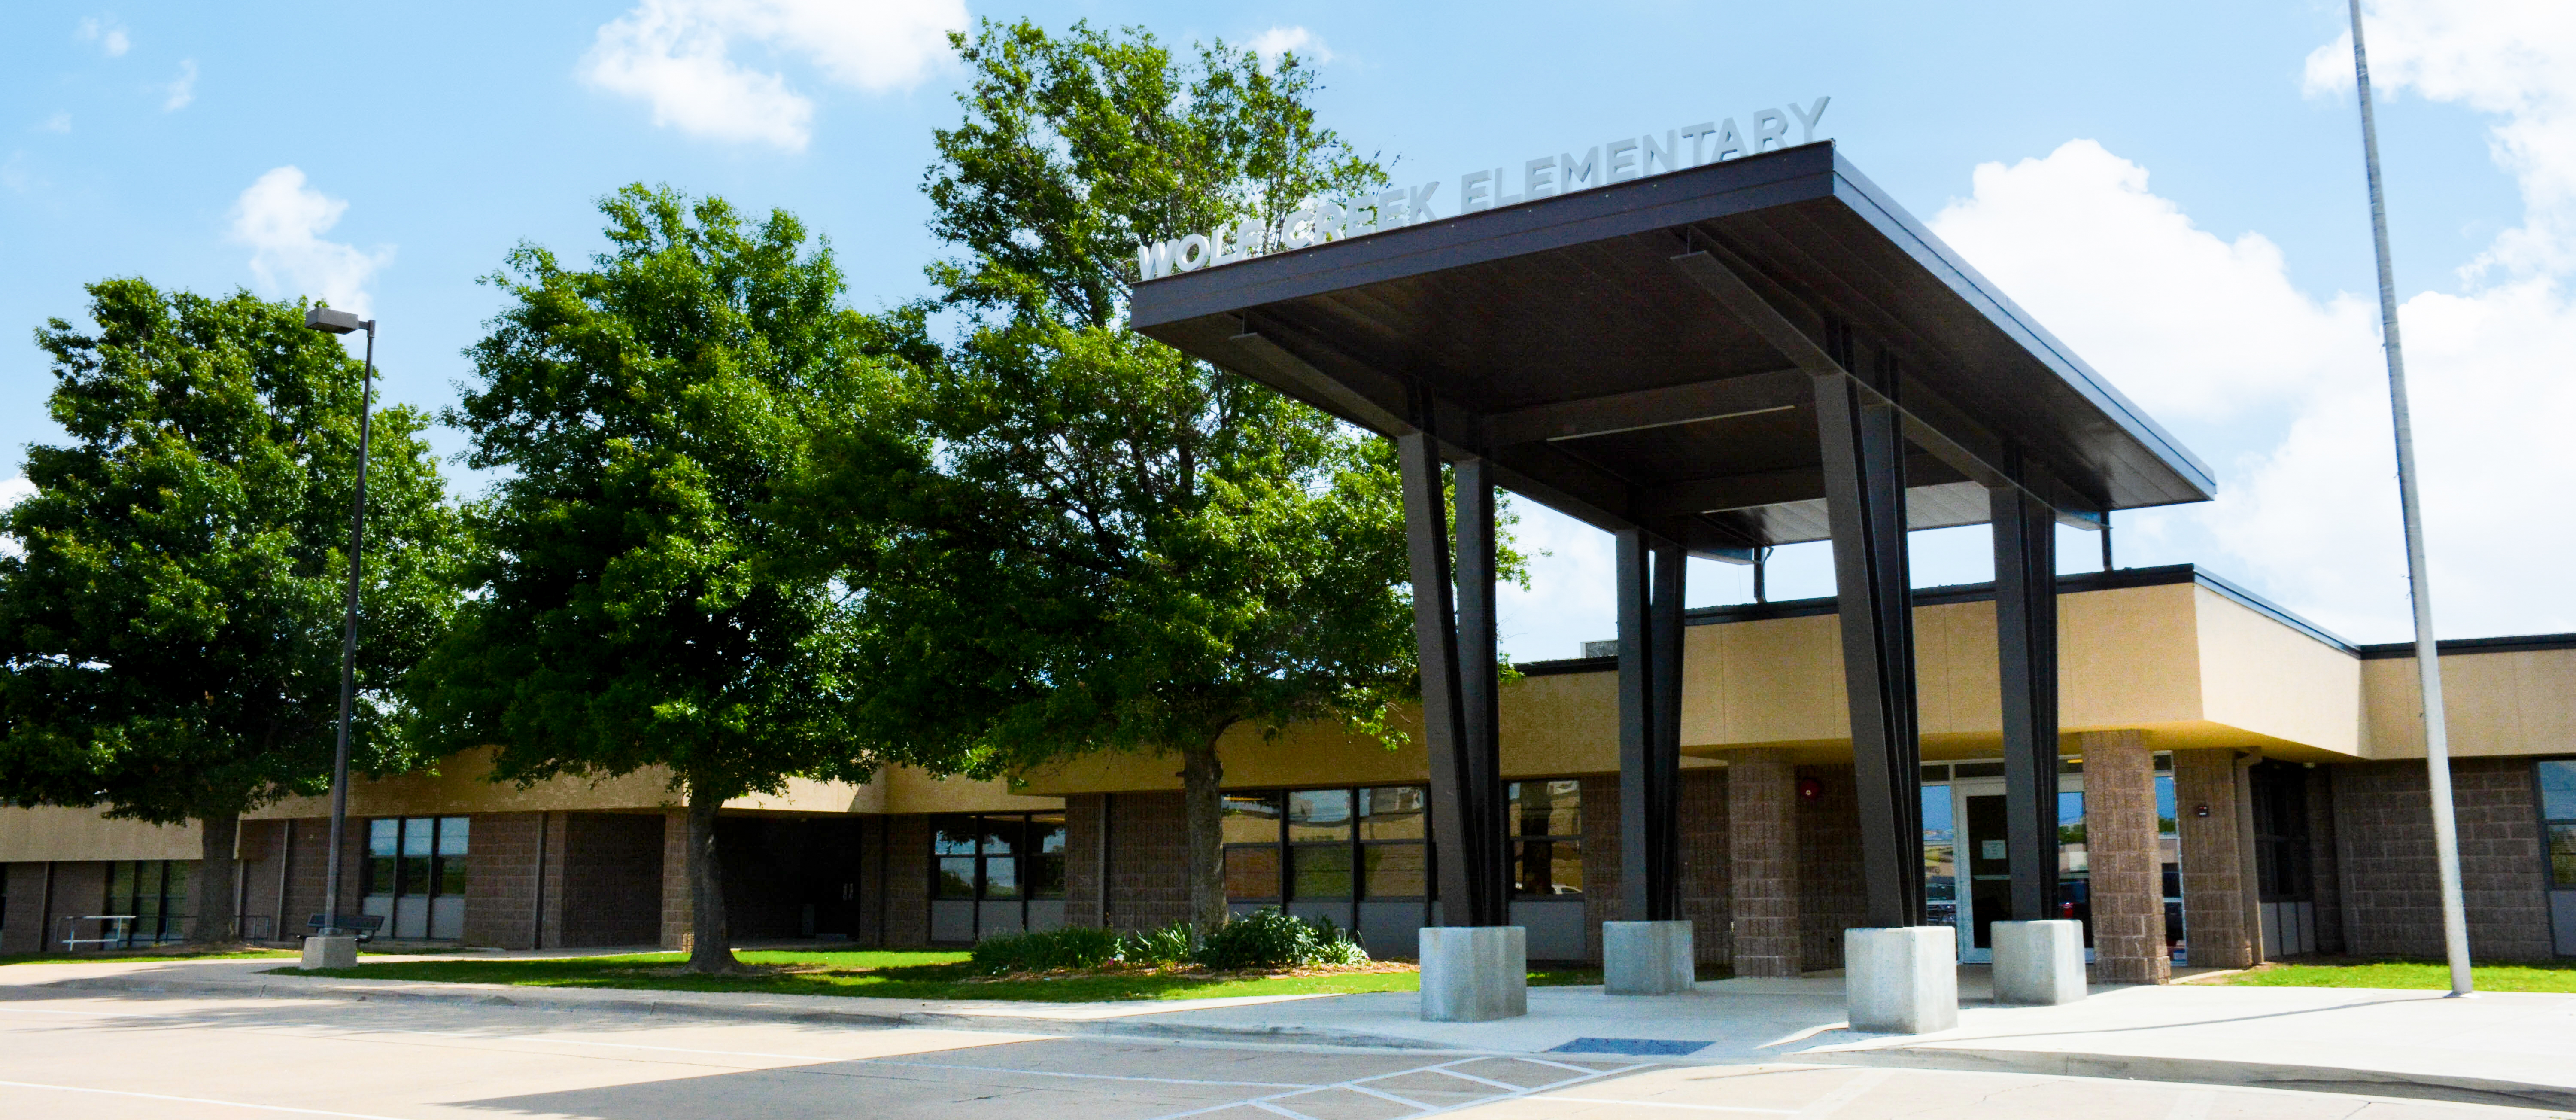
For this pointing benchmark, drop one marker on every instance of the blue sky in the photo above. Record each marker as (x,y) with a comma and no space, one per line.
(2175,188)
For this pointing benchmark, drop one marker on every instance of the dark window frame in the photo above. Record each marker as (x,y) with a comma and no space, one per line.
(168,921)
(1519,842)
(437,873)
(1025,857)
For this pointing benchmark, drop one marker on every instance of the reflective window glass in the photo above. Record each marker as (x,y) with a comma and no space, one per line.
(2562,855)
(1394,870)
(956,877)
(1046,833)
(2166,815)
(1552,808)
(1001,835)
(1547,869)
(1321,871)
(2558,789)
(1001,877)
(1251,818)
(953,836)
(1940,857)
(451,835)
(1319,814)
(1394,813)
(1252,871)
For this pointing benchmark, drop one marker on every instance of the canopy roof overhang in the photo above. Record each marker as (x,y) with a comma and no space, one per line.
(1645,354)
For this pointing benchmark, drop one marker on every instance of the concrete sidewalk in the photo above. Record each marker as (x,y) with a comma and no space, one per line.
(2514,1049)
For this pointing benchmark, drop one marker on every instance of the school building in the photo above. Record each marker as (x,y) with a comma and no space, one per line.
(2250,782)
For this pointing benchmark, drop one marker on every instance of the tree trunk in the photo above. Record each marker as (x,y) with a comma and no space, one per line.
(1203,817)
(710,944)
(210,890)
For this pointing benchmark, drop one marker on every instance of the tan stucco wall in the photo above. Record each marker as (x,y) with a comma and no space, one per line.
(48,833)
(2259,676)
(458,785)
(2495,703)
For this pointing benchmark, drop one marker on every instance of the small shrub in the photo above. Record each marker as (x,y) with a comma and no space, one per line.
(1172,944)
(1267,938)
(1070,947)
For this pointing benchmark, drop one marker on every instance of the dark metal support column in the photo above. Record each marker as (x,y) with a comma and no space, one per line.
(2025,532)
(1864,461)
(1479,690)
(1664,824)
(1466,794)
(1649,704)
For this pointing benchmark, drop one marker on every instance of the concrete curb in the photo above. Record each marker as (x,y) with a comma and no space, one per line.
(680,1005)
(2209,1071)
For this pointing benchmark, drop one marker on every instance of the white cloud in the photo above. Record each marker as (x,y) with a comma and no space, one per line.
(13,491)
(282,220)
(2292,387)
(679,56)
(111,39)
(2515,59)
(182,89)
(59,122)
(1281,40)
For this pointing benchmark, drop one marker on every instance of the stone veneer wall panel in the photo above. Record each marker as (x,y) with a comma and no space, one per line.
(2384,816)
(1763,864)
(1704,867)
(906,917)
(611,879)
(1832,894)
(1149,867)
(22,924)
(2120,841)
(501,880)
(2213,860)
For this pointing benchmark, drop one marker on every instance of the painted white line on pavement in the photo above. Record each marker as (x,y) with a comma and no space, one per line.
(1671,1104)
(193,1100)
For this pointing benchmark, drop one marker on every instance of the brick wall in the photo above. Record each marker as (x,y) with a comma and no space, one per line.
(906,898)
(1149,865)
(1832,895)
(611,879)
(306,868)
(1705,866)
(1763,834)
(2120,840)
(501,879)
(2213,860)
(675,879)
(1602,893)
(2384,820)
(1082,859)
(262,853)
(22,911)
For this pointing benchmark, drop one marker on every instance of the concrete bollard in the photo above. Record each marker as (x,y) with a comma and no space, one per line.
(1902,980)
(330,952)
(1472,974)
(2039,963)
(1647,958)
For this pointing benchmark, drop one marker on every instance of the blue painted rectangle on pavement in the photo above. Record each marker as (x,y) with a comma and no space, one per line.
(1641,1047)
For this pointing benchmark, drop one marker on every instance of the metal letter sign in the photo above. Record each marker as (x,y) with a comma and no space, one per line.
(1617,160)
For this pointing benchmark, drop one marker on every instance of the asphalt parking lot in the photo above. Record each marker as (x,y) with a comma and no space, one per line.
(159,1057)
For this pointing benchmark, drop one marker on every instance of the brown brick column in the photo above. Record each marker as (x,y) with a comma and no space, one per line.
(1704,864)
(2120,838)
(1762,862)
(501,890)
(676,911)
(2213,864)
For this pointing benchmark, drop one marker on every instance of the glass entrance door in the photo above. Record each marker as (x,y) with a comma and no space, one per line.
(1984,874)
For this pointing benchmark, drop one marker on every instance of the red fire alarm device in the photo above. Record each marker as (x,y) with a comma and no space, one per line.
(1810,789)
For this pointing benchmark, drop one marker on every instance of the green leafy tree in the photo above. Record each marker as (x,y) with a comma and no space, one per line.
(1119,547)
(171,622)
(652,586)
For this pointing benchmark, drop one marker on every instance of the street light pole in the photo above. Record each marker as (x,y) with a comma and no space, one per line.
(2428,666)
(342,322)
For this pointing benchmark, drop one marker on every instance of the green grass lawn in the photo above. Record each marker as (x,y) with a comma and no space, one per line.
(893,975)
(2428,975)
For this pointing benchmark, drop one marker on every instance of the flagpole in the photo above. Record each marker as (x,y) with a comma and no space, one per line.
(2428,666)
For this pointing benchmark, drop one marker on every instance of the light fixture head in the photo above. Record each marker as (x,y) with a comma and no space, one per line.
(333,319)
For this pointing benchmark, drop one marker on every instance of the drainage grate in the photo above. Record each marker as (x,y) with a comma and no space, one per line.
(1642,1047)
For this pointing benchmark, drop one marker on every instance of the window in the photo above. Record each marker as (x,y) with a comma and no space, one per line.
(155,893)
(1319,839)
(414,876)
(2558,811)
(1395,830)
(1545,820)
(1250,828)
(997,857)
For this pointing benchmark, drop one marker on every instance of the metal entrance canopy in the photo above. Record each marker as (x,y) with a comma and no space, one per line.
(1710,361)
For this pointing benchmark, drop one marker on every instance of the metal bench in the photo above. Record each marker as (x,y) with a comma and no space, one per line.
(365,926)
(115,930)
